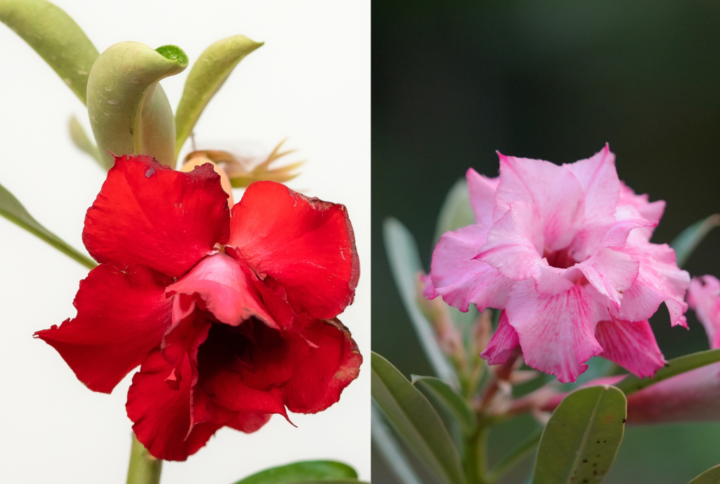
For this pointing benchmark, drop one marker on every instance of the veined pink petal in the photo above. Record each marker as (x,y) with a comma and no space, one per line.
(651,211)
(459,278)
(704,298)
(482,197)
(514,243)
(659,280)
(598,178)
(556,332)
(502,344)
(611,272)
(224,289)
(552,191)
(631,345)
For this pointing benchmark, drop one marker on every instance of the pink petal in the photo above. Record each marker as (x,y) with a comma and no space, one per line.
(459,278)
(598,178)
(224,289)
(149,214)
(514,243)
(611,272)
(502,344)
(631,345)
(122,315)
(704,298)
(552,191)
(482,197)
(556,332)
(659,280)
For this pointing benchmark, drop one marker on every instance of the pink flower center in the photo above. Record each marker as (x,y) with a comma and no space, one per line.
(560,258)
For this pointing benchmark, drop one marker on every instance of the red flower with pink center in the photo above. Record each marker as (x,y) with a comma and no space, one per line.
(230,313)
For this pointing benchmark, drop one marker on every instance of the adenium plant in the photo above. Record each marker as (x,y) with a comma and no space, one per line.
(228,309)
(536,272)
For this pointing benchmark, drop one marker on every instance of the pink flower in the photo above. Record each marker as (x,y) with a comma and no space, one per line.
(565,252)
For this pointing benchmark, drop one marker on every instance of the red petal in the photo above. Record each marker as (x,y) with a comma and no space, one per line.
(149,214)
(224,290)
(249,422)
(122,315)
(333,362)
(242,368)
(162,415)
(306,244)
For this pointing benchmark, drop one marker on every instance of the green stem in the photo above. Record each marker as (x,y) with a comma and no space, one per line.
(515,456)
(475,458)
(143,468)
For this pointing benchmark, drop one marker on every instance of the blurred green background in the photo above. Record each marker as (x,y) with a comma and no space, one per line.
(454,81)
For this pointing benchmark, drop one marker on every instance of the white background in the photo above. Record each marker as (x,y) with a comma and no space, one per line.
(311,83)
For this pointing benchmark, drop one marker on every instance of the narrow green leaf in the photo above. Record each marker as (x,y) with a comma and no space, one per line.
(456,211)
(82,141)
(12,209)
(449,399)
(205,79)
(710,476)
(390,449)
(405,265)
(415,420)
(325,471)
(128,109)
(333,481)
(688,240)
(631,383)
(581,439)
(55,36)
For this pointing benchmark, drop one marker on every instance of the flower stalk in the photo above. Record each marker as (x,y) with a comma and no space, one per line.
(143,467)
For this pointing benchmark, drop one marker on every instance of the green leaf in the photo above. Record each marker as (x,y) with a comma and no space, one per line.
(205,79)
(685,243)
(581,439)
(128,109)
(405,265)
(449,399)
(390,449)
(710,476)
(456,211)
(514,457)
(12,209)
(82,141)
(55,36)
(415,420)
(631,383)
(325,471)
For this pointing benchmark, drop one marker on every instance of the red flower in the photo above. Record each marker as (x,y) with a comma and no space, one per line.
(231,315)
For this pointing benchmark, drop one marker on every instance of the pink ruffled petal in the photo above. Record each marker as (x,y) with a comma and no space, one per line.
(502,344)
(611,272)
(149,214)
(482,197)
(659,280)
(461,279)
(704,299)
(598,178)
(553,192)
(122,315)
(514,243)
(224,289)
(556,332)
(631,345)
